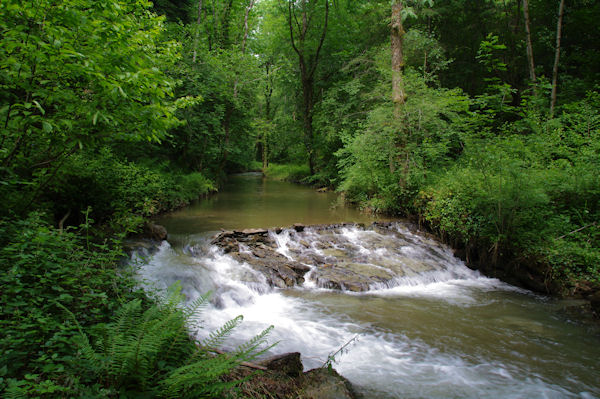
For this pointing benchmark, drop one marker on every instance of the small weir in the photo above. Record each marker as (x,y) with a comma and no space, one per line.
(420,323)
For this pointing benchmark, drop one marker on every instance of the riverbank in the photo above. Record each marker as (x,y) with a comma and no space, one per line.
(453,319)
(564,266)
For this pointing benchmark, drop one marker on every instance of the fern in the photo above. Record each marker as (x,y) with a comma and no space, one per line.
(251,349)
(217,338)
(150,352)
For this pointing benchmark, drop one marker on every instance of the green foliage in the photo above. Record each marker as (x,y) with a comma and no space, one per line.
(149,353)
(43,271)
(500,180)
(75,326)
(288,172)
(536,196)
(74,74)
(385,150)
(115,189)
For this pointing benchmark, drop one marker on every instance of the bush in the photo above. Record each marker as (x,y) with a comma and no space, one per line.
(44,270)
(73,325)
(288,172)
(115,189)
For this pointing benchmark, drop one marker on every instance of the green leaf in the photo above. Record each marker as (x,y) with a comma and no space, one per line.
(38,106)
(47,127)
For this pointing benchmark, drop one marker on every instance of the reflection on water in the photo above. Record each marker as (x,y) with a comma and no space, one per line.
(466,336)
(251,201)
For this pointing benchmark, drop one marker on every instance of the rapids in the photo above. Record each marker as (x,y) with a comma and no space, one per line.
(437,329)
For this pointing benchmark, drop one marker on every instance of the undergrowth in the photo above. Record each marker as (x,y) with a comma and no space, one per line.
(74,324)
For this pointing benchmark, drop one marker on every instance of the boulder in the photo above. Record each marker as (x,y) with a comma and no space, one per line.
(326,384)
(351,276)
(287,363)
(298,227)
(155,231)
(595,302)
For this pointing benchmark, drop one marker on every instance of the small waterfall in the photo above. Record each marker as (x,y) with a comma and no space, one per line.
(405,324)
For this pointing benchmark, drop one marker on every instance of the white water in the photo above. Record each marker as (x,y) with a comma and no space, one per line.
(447,332)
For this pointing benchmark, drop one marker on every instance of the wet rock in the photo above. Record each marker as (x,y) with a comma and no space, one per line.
(336,267)
(278,271)
(155,232)
(595,303)
(326,384)
(248,232)
(143,247)
(284,379)
(336,253)
(287,363)
(355,277)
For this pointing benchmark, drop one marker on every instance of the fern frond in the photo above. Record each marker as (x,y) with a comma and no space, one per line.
(217,338)
(200,379)
(15,391)
(192,313)
(250,350)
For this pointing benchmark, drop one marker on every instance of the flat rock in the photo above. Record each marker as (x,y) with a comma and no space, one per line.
(336,268)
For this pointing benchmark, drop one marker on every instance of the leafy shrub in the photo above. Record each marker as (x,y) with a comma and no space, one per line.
(288,172)
(42,271)
(75,326)
(114,188)
(149,352)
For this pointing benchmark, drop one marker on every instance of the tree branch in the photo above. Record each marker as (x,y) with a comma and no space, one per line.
(291,28)
(314,66)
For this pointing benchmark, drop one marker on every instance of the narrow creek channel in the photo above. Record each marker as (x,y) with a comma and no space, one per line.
(438,331)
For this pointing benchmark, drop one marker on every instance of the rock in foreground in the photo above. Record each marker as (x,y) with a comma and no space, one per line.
(284,379)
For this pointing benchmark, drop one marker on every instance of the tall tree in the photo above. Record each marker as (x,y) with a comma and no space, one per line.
(197,33)
(397,41)
(308,60)
(230,105)
(530,61)
(561,10)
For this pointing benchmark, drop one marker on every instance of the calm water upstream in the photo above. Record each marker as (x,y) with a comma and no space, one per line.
(446,333)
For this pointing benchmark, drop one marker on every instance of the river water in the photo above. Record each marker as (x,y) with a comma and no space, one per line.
(444,332)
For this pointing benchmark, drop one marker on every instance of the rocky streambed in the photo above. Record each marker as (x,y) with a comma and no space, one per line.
(350,257)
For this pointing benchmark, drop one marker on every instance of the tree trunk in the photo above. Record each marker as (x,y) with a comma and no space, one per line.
(235,83)
(561,11)
(397,39)
(248,9)
(307,73)
(529,45)
(398,94)
(265,138)
(197,35)
(307,91)
(226,129)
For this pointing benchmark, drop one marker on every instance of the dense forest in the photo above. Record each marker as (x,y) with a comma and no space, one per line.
(478,119)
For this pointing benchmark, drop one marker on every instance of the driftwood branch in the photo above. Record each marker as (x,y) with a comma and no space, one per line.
(245,364)
(575,231)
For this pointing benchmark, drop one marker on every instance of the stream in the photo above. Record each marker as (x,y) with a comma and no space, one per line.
(435,329)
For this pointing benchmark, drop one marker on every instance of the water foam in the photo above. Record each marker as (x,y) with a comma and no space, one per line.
(383,362)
